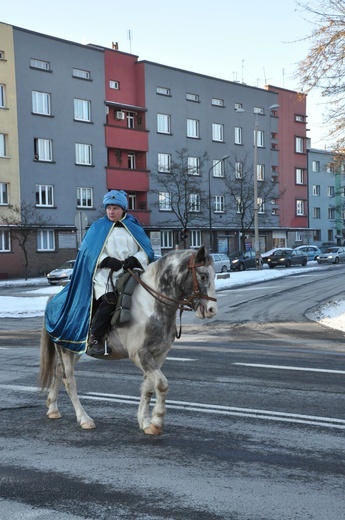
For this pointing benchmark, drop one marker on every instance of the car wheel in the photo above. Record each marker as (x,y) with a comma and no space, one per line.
(287,263)
(304,263)
(224,269)
(336,261)
(271,266)
(241,267)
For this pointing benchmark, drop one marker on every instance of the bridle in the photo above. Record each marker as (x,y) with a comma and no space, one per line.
(188,303)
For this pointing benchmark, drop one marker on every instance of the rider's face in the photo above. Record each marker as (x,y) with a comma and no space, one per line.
(114,212)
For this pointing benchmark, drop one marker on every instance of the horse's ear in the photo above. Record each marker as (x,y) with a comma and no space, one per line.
(200,257)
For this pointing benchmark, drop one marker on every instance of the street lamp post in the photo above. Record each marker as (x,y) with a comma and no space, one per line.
(255,181)
(210,200)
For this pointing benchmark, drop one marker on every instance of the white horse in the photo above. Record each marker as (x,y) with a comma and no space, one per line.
(178,280)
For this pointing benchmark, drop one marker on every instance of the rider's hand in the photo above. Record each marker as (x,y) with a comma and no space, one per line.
(131,263)
(111,263)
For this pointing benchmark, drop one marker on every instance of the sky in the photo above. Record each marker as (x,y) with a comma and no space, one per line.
(331,314)
(250,41)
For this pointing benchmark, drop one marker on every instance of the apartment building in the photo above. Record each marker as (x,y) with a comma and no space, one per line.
(80,119)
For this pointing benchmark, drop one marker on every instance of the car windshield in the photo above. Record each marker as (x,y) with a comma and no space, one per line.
(332,250)
(67,265)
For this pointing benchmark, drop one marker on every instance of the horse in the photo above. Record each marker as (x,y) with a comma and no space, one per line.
(180,280)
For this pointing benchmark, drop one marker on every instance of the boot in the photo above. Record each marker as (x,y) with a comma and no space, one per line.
(95,346)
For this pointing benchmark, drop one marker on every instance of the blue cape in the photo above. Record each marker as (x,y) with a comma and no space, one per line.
(68,313)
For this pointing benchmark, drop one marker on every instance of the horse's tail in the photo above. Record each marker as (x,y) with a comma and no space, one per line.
(47,360)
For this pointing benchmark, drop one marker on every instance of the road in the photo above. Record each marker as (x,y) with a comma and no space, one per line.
(254,430)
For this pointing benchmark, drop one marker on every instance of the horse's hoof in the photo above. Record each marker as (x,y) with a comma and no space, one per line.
(88,425)
(153,430)
(54,415)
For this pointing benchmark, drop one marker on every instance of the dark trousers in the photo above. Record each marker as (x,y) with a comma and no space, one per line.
(105,309)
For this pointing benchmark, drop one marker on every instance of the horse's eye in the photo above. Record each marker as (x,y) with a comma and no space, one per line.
(203,277)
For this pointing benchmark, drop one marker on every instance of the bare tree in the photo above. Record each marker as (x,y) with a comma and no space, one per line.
(179,188)
(240,187)
(23,220)
(324,65)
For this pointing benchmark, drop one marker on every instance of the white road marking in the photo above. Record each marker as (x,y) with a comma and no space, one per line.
(280,367)
(251,413)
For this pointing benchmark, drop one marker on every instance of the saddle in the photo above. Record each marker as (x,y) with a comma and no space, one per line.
(124,290)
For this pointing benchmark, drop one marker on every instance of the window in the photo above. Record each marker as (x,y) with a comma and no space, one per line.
(316,166)
(41,103)
(80,73)
(192,128)
(330,191)
(164,201)
(331,213)
(217,102)
(300,207)
(114,84)
(82,110)
(195,238)
(299,119)
(132,201)
(259,110)
(39,64)
(330,168)
(261,205)
(130,119)
(217,132)
(299,145)
(260,172)
(317,235)
(316,212)
(164,91)
(219,203)
(44,195)
(238,135)
(239,205)
(43,150)
(2,96)
(4,191)
(45,240)
(299,176)
(166,239)
(259,138)
(5,241)
(131,160)
(193,166)
(164,162)
(238,170)
(2,55)
(163,124)
(218,168)
(192,97)
(85,198)
(238,106)
(3,145)
(194,202)
(316,190)
(83,154)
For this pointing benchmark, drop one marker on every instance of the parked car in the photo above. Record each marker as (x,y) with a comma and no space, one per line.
(287,257)
(62,274)
(332,255)
(221,262)
(312,252)
(265,255)
(242,260)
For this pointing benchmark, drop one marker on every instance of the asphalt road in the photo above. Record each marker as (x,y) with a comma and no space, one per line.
(254,430)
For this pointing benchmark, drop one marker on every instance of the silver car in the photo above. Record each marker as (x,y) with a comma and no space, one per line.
(332,255)
(61,275)
(221,262)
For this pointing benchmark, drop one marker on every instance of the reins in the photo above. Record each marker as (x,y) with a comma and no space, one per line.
(187,303)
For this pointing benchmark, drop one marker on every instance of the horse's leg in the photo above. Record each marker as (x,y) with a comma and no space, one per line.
(53,411)
(153,379)
(68,360)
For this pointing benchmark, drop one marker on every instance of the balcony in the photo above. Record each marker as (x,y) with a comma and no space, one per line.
(128,180)
(126,138)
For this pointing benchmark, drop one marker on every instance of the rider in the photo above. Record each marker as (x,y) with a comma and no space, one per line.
(114,243)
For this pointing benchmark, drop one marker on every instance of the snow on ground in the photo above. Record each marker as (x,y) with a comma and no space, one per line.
(33,301)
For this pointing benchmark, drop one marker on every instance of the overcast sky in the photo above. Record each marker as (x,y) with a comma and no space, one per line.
(254,42)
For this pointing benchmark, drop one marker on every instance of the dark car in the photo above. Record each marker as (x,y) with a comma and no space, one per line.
(242,260)
(62,274)
(287,257)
